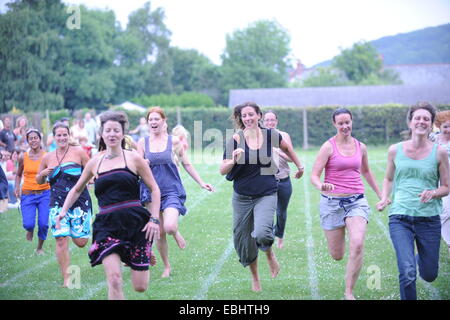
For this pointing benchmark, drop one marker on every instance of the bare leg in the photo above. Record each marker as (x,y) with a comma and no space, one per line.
(80,242)
(111,264)
(171,226)
(273,263)
(39,249)
(62,254)
(356,227)
(256,285)
(29,235)
(280,243)
(164,252)
(140,280)
(336,242)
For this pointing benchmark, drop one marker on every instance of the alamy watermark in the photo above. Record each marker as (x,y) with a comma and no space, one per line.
(73,22)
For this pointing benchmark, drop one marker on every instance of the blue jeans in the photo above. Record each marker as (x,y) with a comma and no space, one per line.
(31,203)
(426,233)
(284,194)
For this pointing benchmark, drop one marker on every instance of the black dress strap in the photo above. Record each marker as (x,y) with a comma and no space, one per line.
(101,160)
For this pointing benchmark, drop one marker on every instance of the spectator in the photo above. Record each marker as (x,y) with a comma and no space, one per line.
(78,131)
(7,136)
(11,170)
(91,128)
(141,130)
(20,131)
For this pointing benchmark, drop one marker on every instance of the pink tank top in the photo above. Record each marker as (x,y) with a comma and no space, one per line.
(344,171)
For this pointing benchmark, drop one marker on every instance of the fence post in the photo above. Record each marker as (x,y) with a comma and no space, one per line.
(178,115)
(305,129)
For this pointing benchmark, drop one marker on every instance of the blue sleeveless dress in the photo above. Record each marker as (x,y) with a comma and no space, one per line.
(77,222)
(167,177)
(118,225)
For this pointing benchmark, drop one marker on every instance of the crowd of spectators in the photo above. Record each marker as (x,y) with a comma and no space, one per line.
(13,142)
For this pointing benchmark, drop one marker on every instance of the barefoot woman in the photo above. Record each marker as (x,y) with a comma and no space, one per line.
(158,149)
(249,154)
(62,168)
(123,230)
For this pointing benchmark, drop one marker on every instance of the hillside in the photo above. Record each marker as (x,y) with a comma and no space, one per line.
(429,45)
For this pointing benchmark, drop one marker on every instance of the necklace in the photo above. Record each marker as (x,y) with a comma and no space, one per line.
(64,155)
(111,156)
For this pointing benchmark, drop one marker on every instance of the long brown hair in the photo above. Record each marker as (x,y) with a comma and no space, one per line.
(237,118)
(116,116)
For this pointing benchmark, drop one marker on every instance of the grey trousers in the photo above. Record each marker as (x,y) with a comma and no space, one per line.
(252,225)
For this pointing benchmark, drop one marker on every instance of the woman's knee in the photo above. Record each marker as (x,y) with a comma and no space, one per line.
(80,242)
(114,280)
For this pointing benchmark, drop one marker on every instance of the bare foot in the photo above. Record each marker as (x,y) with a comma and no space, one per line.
(349,296)
(29,235)
(180,240)
(256,285)
(166,273)
(273,264)
(280,243)
(40,252)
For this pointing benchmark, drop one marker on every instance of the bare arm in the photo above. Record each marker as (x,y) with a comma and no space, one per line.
(318,167)
(228,164)
(289,150)
(187,165)
(151,229)
(44,170)
(388,179)
(79,187)
(19,176)
(443,188)
(287,138)
(367,173)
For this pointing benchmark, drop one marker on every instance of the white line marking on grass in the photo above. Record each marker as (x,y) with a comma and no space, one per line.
(29,270)
(93,291)
(434,292)
(202,292)
(313,283)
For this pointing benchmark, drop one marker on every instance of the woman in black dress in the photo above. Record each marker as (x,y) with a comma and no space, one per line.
(123,230)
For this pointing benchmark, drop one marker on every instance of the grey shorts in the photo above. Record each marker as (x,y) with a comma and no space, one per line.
(334,210)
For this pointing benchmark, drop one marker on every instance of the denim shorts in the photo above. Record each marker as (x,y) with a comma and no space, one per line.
(334,210)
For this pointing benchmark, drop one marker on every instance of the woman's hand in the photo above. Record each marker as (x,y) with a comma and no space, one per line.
(58,219)
(383,203)
(46,172)
(207,186)
(237,154)
(299,173)
(327,187)
(151,230)
(427,195)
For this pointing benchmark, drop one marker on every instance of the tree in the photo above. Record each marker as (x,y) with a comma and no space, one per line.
(192,71)
(32,56)
(358,65)
(255,57)
(358,62)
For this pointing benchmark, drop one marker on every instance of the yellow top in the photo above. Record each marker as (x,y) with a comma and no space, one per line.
(30,171)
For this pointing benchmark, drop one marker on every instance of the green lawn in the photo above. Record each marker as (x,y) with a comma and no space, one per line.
(209,269)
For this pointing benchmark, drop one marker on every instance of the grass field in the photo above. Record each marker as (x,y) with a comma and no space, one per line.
(209,268)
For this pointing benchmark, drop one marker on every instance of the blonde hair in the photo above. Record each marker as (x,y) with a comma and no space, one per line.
(179,130)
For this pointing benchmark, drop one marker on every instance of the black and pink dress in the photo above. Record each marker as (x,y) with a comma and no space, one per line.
(118,225)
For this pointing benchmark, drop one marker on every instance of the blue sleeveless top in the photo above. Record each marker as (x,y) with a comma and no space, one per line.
(62,179)
(167,177)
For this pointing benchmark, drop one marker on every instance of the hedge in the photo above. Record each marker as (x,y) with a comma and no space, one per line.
(381,124)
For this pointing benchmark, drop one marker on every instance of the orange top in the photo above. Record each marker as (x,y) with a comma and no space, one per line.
(30,171)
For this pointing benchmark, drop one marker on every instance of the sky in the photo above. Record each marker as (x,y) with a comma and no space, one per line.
(318,28)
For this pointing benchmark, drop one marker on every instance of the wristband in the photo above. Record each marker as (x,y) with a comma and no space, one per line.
(154,220)
(301,168)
